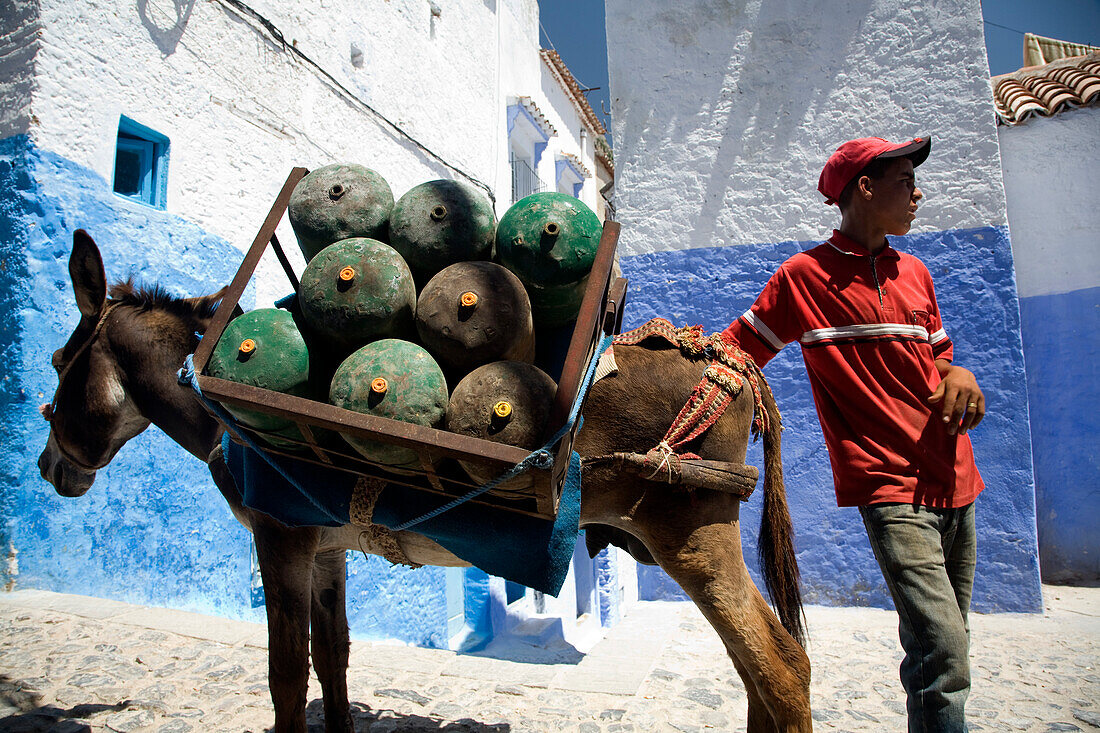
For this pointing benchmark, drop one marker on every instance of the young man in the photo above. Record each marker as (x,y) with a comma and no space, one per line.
(893,408)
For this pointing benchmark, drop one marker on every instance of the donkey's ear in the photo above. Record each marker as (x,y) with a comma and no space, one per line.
(86,270)
(207,304)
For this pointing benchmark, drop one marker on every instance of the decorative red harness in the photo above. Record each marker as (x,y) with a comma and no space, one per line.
(729,370)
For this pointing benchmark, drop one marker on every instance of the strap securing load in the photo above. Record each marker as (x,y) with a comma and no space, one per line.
(724,378)
(695,343)
(382,539)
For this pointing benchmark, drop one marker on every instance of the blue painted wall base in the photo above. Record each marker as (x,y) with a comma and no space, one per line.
(153,529)
(976,290)
(1062,347)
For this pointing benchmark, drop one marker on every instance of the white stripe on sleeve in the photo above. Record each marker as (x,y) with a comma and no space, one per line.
(869,329)
(763,330)
(937,336)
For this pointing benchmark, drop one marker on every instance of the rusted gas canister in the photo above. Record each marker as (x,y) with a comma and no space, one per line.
(394,379)
(549,241)
(263,348)
(472,313)
(355,291)
(439,223)
(505,402)
(336,202)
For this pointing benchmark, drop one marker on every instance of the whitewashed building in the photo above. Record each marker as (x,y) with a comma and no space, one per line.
(166,130)
(723,115)
(1048,125)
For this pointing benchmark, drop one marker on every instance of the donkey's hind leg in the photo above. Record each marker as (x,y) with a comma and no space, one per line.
(703,555)
(286,565)
(329,638)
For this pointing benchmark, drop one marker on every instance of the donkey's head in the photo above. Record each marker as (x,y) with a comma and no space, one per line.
(113,370)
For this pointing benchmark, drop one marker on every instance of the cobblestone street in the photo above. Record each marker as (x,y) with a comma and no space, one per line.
(70,663)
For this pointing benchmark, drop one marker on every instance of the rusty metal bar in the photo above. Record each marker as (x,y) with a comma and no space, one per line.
(589,321)
(244,273)
(330,417)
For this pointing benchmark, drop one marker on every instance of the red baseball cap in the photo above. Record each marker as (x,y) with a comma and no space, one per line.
(851,157)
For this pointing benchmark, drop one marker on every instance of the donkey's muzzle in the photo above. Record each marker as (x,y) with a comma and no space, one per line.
(67,479)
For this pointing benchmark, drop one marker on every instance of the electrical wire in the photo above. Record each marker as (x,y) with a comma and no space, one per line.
(247,12)
(1005,27)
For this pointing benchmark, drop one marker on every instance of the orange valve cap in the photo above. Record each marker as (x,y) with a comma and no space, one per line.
(468,299)
(347,274)
(379,385)
(502,410)
(247,346)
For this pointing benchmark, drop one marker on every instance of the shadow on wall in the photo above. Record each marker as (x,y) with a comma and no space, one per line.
(19,27)
(777,71)
(164,29)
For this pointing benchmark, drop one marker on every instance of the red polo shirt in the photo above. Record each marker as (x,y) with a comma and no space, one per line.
(870,332)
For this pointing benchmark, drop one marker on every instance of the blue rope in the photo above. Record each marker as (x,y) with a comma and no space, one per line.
(539,458)
(187,376)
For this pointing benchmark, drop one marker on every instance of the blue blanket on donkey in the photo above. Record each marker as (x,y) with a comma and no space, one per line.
(526,550)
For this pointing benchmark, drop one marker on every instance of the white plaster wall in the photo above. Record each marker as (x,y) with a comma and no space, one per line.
(724,112)
(19,44)
(1052,183)
(519,75)
(240,110)
(567,121)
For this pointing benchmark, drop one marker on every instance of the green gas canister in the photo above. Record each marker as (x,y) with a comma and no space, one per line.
(337,202)
(438,223)
(263,348)
(549,240)
(394,379)
(355,291)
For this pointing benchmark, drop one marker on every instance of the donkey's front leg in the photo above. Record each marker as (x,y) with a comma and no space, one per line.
(696,539)
(706,561)
(330,638)
(286,565)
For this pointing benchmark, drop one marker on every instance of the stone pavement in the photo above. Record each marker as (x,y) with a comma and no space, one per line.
(71,663)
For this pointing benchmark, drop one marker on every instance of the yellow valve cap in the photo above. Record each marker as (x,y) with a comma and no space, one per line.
(247,346)
(379,385)
(347,274)
(468,299)
(502,409)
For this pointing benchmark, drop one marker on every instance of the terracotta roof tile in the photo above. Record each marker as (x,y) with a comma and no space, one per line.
(1047,90)
(573,89)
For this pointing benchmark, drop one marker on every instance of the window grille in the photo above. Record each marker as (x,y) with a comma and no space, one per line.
(524,179)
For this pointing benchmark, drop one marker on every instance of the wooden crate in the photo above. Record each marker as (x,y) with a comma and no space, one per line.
(600,313)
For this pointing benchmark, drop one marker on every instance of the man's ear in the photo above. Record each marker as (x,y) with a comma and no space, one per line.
(864,188)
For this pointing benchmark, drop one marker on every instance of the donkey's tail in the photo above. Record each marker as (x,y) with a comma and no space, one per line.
(775,544)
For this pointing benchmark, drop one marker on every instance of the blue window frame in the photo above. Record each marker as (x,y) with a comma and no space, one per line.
(141,163)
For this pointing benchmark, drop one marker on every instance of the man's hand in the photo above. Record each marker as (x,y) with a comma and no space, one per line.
(963,402)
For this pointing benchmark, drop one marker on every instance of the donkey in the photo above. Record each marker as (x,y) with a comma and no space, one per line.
(117,374)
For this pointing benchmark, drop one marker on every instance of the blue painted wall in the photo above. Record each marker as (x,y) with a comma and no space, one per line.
(153,529)
(976,290)
(1062,348)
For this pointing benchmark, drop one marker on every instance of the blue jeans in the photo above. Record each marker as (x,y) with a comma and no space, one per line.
(927,558)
